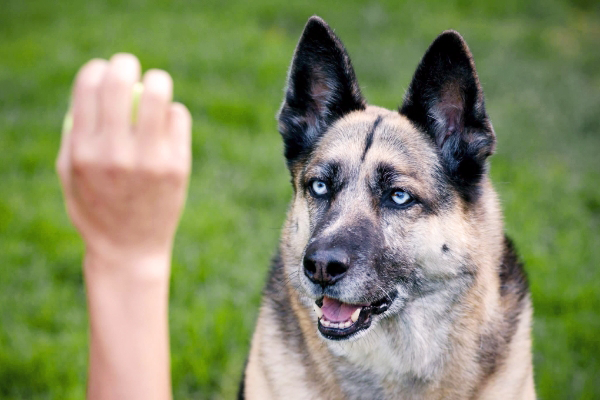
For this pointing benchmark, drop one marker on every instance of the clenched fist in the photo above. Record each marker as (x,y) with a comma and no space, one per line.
(125,184)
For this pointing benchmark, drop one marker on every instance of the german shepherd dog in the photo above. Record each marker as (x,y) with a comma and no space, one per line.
(394,279)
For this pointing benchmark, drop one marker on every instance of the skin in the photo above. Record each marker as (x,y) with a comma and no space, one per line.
(125,188)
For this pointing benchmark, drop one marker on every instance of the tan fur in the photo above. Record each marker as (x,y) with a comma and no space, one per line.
(449,358)
(517,369)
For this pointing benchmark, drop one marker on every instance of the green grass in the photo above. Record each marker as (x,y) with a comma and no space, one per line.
(539,63)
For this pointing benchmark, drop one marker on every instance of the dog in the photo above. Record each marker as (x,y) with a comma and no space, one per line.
(393,279)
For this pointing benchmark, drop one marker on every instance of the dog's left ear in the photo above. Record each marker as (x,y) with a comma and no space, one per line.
(445,99)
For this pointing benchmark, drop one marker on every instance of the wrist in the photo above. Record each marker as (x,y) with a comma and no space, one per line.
(127,265)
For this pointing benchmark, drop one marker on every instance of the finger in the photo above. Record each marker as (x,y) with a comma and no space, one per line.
(180,132)
(85,95)
(81,113)
(154,105)
(116,95)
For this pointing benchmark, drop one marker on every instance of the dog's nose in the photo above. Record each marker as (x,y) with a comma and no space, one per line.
(325,266)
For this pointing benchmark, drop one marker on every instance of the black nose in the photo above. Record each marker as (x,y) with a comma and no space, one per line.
(325,266)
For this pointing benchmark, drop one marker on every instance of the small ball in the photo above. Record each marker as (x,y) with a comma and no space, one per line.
(137,90)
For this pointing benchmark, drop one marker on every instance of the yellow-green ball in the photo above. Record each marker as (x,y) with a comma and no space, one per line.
(138,88)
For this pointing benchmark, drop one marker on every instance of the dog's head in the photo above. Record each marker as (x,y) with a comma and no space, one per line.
(383,200)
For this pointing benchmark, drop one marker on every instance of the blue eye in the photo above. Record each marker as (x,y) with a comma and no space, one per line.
(401,197)
(319,188)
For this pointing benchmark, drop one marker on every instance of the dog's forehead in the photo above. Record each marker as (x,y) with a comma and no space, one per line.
(376,136)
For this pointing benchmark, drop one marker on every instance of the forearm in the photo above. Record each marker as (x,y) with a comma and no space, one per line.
(128,311)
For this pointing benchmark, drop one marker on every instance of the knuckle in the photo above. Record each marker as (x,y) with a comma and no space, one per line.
(163,171)
(119,161)
(83,162)
(80,163)
(152,168)
(175,176)
(118,168)
(179,170)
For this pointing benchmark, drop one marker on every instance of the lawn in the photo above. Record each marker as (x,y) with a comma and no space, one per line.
(539,64)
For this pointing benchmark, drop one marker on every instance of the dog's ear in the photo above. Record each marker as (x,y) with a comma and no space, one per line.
(445,99)
(321,88)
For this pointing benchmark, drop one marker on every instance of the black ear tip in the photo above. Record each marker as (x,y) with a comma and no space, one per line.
(451,40)
(315,25)
(317,36)
(316,20)
(451,34)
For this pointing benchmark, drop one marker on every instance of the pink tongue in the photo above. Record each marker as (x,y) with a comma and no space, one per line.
(336,311)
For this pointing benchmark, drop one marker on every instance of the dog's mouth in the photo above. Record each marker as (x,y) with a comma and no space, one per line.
(338,321)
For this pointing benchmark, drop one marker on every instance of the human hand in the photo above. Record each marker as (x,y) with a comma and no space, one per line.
(125,185)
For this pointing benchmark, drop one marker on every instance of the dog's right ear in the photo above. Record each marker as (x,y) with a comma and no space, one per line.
(321,88)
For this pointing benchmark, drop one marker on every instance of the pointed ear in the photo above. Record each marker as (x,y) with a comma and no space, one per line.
(321,88)
(446,101)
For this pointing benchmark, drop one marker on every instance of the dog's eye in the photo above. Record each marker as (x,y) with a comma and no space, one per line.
(319,188)
(401,198)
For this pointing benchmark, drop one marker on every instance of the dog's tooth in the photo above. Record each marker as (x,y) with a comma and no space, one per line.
(318,311)
(325,323)
(334,325)
(355,315)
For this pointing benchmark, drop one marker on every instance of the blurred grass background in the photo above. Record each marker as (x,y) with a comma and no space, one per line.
(539,63)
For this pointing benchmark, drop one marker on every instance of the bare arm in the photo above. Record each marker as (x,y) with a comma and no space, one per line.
(125,187)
